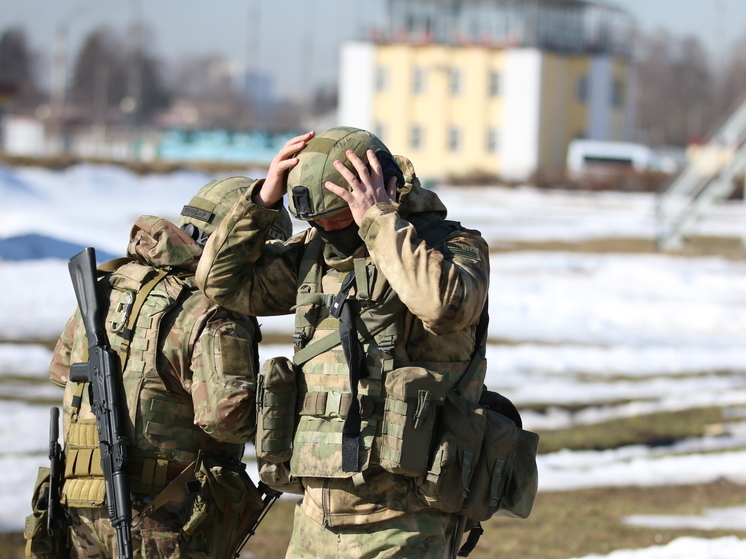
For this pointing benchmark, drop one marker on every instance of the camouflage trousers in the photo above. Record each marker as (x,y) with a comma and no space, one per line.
(425,534)
(93,536)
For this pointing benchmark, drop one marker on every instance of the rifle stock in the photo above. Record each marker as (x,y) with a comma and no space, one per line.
(102,374)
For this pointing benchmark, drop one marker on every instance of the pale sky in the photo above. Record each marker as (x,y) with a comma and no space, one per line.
(296,40)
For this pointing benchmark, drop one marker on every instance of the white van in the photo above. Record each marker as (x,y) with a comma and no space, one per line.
(585,156)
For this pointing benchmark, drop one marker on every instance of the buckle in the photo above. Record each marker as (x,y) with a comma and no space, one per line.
(333,400)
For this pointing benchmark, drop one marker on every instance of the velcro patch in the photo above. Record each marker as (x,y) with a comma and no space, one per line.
(464,252)
(197,213)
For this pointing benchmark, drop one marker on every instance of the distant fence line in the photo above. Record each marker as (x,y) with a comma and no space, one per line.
(28,137)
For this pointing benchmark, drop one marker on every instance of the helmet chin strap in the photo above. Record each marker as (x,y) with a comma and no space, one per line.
(344,241)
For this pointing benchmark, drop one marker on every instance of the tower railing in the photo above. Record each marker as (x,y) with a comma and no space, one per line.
(712,176)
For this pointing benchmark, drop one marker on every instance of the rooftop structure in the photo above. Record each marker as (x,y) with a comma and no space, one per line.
(566,26)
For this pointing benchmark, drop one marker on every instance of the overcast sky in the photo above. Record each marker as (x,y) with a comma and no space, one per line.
(296,40)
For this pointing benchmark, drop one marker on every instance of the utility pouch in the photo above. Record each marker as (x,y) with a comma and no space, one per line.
(223,504)
(278,477)
(505,478)
(275,410)
(523,482)
(39,544)
(493,469)
(455,455)
(413,396)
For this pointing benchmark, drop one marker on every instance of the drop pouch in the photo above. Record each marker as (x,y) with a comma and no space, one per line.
(223,504)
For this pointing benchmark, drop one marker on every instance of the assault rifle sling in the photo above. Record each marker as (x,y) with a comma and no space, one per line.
(101,372)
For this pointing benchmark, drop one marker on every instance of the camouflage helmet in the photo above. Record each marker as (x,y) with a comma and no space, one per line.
(212,203)
(308,198)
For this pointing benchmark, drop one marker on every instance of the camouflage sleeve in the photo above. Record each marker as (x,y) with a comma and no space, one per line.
(223,378)
(241,271)
(444,287)
(59,369)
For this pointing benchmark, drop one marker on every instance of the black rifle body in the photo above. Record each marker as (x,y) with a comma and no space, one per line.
(102,374)
(55,512)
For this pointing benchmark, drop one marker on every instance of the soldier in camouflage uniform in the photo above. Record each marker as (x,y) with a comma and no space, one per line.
(189,379)
(420,286)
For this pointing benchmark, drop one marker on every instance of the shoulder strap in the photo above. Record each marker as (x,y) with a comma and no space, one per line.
(137,304)
(479,350)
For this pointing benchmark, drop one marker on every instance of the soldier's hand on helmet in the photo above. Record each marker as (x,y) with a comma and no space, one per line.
(275,185)
(367,190)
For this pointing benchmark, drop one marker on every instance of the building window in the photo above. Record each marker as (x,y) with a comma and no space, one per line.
(454,138)
(494,85)
(380,131)
(582,92)
(415,137)
(617,94)
(454,82)
(492,143)
(418,80)
(381,78)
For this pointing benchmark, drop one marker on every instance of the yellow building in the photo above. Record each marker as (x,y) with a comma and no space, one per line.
(505,106)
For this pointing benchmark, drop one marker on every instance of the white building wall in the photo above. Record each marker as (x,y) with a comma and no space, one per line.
(522,123)
(600,83)
(357,68)
(22,135)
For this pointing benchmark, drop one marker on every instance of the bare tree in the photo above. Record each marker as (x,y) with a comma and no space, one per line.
(16,68)
(675,90)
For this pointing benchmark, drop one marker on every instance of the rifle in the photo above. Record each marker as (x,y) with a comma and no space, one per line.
(55,512)
(102,373)
(270,496)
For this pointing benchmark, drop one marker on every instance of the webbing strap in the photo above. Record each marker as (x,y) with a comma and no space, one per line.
(471,542)
(142,295)
(173,491)
(354,356)
(317,348)
(479,350)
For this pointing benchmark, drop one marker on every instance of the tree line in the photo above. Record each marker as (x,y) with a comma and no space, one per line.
(682,93)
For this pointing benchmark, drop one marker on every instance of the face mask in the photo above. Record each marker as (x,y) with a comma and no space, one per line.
(344,241)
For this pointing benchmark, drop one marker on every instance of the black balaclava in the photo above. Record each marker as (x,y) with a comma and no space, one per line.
(343,241)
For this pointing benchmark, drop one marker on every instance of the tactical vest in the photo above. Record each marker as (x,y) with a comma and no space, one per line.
(159,424)
(394,389)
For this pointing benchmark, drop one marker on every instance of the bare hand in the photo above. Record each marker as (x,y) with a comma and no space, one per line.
(367,190)
(275,185)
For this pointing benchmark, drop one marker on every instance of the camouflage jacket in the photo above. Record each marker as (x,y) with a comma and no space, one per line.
(443,290)
(189,376)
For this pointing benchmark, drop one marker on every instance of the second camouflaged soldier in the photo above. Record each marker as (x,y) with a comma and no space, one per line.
(189,377)
(351,424)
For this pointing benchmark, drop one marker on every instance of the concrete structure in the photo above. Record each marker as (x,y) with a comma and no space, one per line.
(498,88)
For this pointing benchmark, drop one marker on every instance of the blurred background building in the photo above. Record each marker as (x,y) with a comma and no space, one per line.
(497,88)
(476,91)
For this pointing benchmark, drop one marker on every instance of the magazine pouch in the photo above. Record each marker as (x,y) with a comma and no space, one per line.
(454,456)
(413,397)
(275,410)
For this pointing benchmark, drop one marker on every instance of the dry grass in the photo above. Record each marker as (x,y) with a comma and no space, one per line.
(727,247)
(562,525)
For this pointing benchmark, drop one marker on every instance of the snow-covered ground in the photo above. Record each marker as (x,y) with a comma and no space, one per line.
(586,337)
